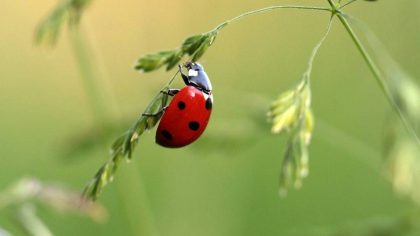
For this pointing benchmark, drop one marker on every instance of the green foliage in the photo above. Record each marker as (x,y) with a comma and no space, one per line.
(151,62)
(291,112)
(194,46)
(69,11)
(124,146)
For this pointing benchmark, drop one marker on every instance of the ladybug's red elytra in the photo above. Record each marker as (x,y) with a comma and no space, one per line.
(187,115)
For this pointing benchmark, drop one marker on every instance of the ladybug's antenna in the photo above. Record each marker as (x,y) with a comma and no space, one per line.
(184,77)
(188,64)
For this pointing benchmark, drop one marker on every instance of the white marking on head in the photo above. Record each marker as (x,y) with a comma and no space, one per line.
(192,73)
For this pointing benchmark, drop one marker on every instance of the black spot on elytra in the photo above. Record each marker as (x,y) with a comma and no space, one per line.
(181,105)
(194,125)
(167,135)
(209,103)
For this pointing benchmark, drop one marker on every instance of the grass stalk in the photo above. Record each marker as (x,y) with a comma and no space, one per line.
(268,9)
(377,75)
(101,101)
(31,223)
(374,69)
(89,77)
(271,8)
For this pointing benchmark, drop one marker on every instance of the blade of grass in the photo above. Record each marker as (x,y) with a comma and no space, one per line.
(100,102)
(375,71)
(378,76)
(31,223)
(271,8)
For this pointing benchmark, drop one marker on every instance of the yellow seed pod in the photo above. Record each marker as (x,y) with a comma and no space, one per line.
(284,98)
(308,126)
(285,120)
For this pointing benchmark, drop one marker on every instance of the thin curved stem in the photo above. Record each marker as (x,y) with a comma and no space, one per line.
(32,223)
(308,71)
(332,4)
(268,9)
(374,69)
(172,79)
(347,3)
(376,73)
(271,8)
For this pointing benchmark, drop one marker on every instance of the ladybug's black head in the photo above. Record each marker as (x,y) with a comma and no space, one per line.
(194,66)
(198,77)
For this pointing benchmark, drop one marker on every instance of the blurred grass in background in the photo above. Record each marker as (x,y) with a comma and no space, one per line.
(227,182)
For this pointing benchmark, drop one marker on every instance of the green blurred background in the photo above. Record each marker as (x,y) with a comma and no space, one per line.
(227,182)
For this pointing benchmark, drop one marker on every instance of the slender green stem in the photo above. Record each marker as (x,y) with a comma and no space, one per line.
(101,102)
(333,5)
(376,73)
(172,79)
(31,223)
(268,9)
(374,69)
(89,77)
(308,71)
(271,8)
(346,4)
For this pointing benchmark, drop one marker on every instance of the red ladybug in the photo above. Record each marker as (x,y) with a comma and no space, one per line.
(187,115)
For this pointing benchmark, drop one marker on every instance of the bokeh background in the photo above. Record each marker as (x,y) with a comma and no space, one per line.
(227,182)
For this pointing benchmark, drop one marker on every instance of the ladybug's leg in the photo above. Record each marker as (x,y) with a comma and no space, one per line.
(184,76)
(155,114)
(170,92)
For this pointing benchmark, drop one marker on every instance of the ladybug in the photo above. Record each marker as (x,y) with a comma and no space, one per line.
(188,113)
